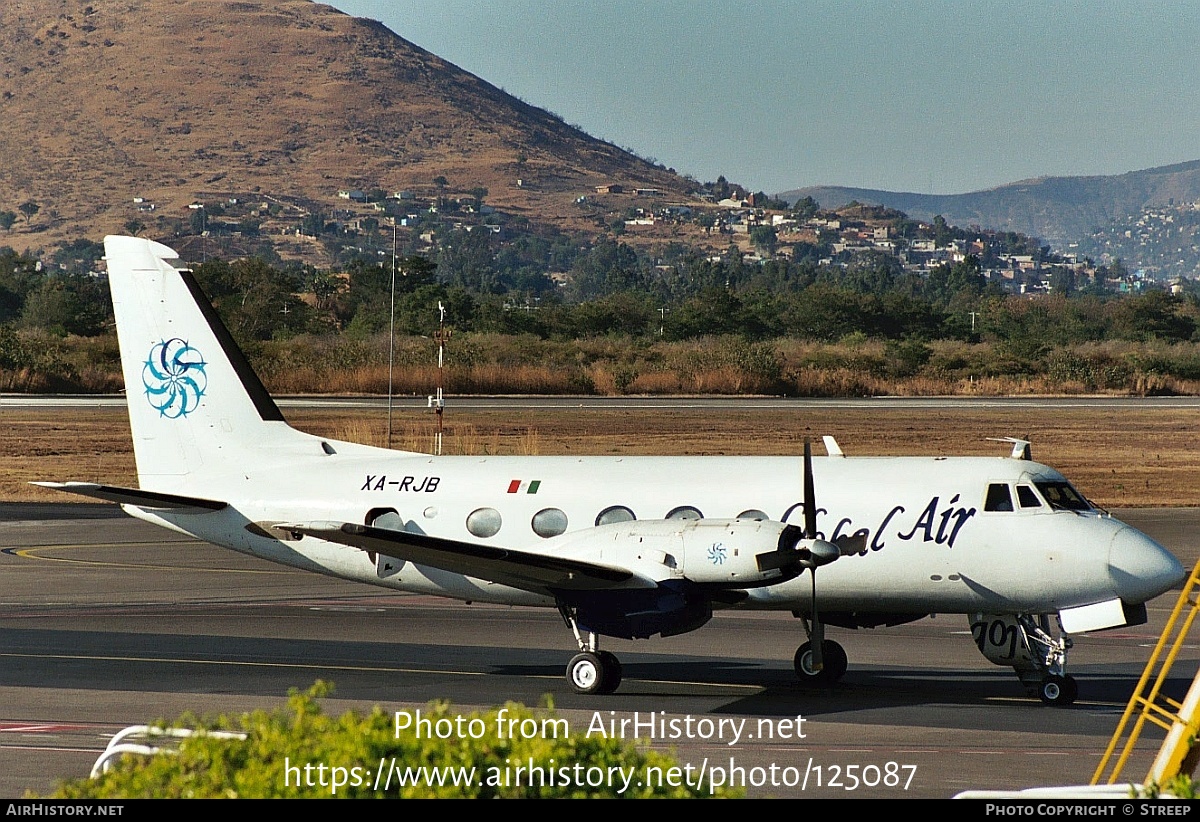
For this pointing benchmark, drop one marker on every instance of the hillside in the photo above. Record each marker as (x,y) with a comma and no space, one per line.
(105,101)
(1058,209)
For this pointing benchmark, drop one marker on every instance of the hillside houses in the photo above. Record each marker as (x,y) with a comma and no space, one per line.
(421,220)
(1163,241)
(839,238)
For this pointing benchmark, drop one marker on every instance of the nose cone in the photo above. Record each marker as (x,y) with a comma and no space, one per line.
(1140,568)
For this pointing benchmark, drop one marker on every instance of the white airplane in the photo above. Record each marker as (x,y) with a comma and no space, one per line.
(623,546)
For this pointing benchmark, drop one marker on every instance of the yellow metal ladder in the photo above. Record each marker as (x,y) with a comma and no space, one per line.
(1181,720)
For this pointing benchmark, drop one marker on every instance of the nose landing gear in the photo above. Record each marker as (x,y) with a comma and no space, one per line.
(1026,642)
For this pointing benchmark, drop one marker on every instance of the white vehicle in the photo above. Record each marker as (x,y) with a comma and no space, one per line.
(622,546)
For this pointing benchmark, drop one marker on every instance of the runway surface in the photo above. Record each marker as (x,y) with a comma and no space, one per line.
(107,622)
(638,403)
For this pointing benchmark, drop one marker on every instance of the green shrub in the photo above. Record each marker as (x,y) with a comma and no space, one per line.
(300,752)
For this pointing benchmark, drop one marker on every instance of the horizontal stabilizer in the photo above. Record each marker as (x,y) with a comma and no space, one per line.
(520,569)
(136,496)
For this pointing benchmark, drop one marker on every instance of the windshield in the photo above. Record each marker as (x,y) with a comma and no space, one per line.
(1062,497)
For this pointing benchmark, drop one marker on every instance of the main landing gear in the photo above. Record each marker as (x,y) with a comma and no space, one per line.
(835,663)
(591,671)
(834,660)
(594,672)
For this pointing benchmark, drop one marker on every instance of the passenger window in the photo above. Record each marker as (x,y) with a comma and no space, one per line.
(615,513)
(999,498)
(484,522)
(1027,497)
(549,522)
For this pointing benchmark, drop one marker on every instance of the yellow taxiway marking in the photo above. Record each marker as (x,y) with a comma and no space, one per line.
(1017,700)
(31,553)
(303,665)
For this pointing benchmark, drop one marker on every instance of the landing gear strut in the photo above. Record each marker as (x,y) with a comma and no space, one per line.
(591,671)
(1050,656)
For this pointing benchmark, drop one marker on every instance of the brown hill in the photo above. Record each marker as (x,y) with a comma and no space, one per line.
(104,101)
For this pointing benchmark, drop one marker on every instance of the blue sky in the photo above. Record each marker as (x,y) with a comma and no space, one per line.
(933,97)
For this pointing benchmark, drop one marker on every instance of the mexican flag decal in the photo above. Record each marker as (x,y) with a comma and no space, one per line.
(524,486)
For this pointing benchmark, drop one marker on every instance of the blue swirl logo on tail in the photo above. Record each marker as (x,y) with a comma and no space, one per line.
(174,378)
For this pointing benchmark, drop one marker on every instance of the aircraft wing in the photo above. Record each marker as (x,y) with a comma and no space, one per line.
(528,571)
(138,497)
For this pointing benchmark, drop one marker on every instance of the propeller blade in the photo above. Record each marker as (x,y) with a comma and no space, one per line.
(818,635)
(851,544)
(777,560)
(810,505)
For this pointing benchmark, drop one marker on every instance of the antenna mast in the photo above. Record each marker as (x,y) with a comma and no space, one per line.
(391,335)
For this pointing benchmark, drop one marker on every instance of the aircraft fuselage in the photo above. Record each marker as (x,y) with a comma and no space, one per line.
(930,545)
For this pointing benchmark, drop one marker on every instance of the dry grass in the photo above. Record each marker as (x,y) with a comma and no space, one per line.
(419,380)
(1120,458)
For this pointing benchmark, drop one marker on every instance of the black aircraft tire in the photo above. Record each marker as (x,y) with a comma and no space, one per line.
(612,672)
(585,672)
(1059,691)
(594,673)
(835,663)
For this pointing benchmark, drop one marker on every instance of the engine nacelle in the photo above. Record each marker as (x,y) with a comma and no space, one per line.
(730,553)
(727,552)
(688,559)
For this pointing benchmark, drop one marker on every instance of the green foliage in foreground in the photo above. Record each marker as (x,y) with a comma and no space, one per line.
(1180,786)
(271,762)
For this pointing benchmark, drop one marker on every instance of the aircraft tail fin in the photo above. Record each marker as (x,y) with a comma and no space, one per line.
(195,404)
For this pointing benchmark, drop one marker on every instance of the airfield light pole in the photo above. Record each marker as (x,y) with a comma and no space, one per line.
(391,336)
(438,402)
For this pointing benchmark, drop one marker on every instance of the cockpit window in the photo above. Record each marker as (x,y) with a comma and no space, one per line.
(1027,497)
(999,498)
(1062,497)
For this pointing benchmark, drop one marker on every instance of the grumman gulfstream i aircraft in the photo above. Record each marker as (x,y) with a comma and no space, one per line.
(622,546)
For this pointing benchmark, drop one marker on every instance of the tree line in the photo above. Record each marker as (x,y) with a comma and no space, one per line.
(609,288)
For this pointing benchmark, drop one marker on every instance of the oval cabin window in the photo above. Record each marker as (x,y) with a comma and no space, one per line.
(615,513)
(549,522)
(484,522)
